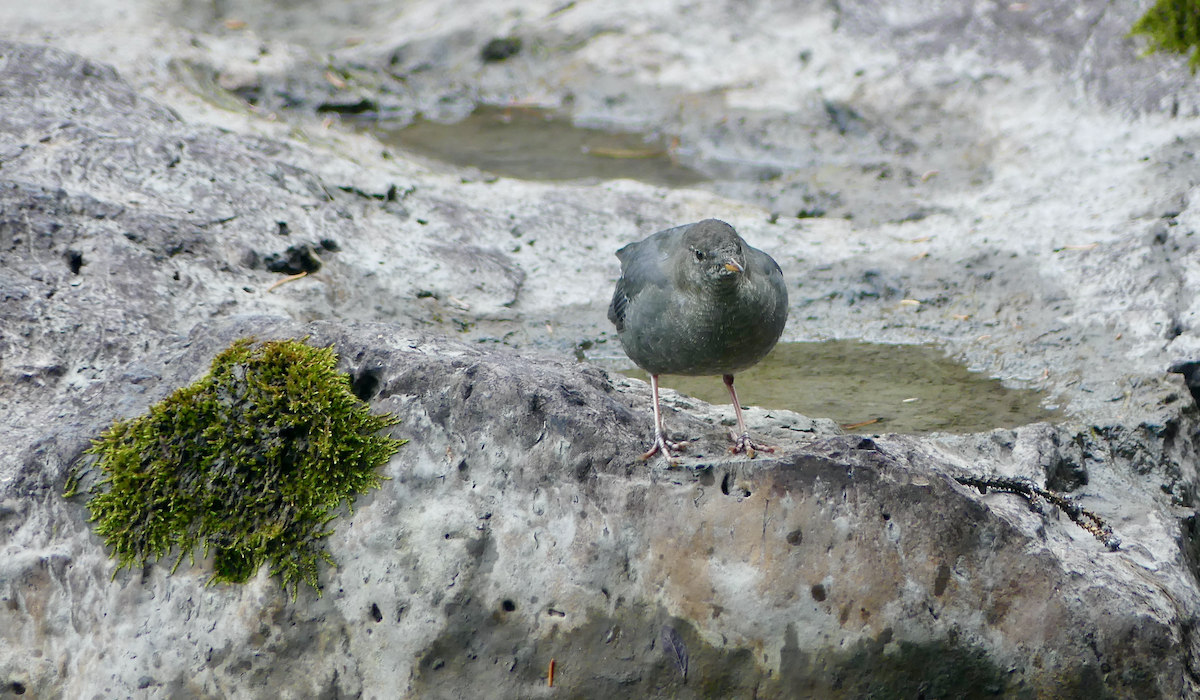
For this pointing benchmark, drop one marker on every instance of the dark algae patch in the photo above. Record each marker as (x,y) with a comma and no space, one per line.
(248,464)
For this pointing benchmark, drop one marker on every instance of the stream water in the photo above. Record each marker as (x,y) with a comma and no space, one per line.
(871,388)
(537,144)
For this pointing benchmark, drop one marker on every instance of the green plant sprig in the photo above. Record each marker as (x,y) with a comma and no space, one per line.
(1172,25)
(249,464)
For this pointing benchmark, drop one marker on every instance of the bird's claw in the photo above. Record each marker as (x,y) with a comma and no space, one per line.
(665,447)
(743,443)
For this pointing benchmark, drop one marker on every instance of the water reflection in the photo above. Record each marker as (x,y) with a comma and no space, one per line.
(537,144)
(872,388)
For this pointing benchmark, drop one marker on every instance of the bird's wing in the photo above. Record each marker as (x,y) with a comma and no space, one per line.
(769,281)
(763,263)
(616,309)
(643,264)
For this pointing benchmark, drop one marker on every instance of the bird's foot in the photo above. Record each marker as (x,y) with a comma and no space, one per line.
(743,443)
(665,447)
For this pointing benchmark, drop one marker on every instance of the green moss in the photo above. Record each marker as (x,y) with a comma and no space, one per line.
(249,463)
(1173,25)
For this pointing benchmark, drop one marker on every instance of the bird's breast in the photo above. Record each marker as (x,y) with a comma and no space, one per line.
(702,334)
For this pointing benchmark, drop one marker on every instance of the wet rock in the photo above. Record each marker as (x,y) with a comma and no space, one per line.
(898,565)
(1087,44)
(474,274)
(500,49)
(517,525)
(360,106)
(294,260)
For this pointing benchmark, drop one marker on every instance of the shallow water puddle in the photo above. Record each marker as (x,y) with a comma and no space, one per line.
(878,388)
(537,144)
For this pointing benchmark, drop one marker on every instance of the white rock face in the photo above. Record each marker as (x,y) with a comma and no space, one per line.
(1015,169)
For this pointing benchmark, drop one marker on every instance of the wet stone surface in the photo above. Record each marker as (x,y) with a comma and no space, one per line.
(959,174)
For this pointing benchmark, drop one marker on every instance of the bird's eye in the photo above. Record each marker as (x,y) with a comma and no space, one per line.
(699,254)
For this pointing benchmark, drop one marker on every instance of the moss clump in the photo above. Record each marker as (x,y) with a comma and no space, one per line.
(249,463)
(1173,25)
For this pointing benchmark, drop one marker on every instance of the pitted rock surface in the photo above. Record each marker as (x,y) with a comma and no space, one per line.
(147,212)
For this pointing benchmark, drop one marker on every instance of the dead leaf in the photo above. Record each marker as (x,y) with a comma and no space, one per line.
(334,80)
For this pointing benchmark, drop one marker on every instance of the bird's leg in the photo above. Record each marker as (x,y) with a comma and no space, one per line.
(661,444)
(741,439)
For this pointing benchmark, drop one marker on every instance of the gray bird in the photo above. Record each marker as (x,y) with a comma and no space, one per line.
(698,300)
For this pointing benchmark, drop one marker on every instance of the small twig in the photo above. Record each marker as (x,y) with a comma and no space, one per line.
(287,279)
(675,649)
(1082,517)
(550,676)
(852,426)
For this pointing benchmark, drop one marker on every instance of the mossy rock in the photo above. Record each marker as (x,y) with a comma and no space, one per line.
(1173,25)
(249,463)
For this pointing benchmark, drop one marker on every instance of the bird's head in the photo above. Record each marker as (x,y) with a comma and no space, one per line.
(714,253)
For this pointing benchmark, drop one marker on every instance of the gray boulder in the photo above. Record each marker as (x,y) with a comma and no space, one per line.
(517,527)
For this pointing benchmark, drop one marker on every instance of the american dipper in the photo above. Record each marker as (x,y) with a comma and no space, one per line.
(697,300)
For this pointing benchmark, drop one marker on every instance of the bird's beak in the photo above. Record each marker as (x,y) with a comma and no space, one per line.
(732,266)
